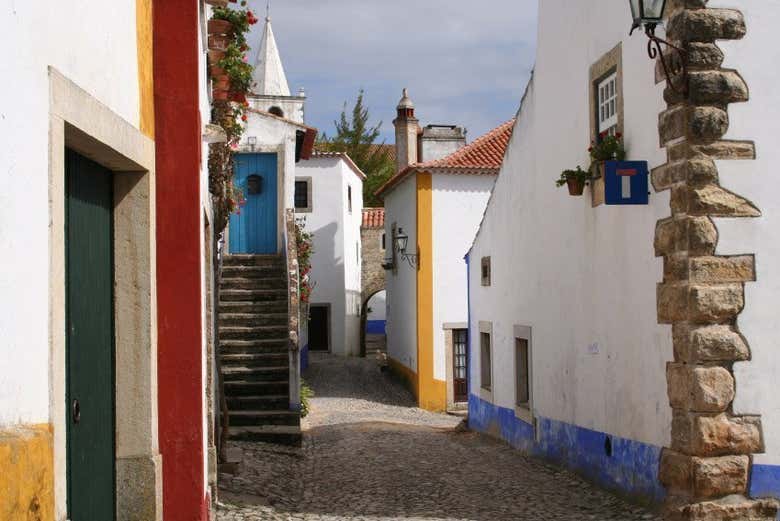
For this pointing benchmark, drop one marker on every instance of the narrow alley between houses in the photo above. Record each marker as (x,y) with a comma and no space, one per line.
(370,454)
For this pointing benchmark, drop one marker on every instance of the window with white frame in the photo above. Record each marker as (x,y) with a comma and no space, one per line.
(607,104)
(523,374)
(302,195)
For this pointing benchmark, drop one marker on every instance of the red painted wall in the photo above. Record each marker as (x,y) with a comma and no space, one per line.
(179,342)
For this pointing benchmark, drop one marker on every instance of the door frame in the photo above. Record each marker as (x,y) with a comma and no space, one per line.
(329,311)
(449,357)
(281,183)
(79,121)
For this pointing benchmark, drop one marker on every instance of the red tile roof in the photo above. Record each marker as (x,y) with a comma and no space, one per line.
(483,156)
(373,217)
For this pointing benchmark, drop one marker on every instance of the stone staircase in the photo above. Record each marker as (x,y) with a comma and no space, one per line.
(253,341)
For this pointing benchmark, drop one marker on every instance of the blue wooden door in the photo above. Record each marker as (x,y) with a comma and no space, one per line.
(254,229)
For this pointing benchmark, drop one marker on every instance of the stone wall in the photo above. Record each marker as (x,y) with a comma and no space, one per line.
(707,467)
(373,255)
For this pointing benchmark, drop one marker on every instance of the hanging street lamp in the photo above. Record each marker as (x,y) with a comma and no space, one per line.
(401,242)
(650,13)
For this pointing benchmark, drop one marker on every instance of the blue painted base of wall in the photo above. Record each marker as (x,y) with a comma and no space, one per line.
(765,481)
(630,469)
(305,357)
(375,327)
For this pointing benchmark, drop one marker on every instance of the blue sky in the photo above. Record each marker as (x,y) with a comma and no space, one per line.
(464,62)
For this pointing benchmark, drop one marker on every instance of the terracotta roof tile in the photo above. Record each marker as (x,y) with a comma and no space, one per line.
(482,156)
(373,217)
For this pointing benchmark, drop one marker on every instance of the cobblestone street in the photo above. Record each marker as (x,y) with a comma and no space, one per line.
(369,454)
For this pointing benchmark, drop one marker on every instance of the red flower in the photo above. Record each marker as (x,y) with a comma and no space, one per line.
(618,135)
(590,149)
(243,118)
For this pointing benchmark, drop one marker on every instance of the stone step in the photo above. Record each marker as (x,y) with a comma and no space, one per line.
(243,259)
(255,359)
(258,403)
(252,319)
(257,346)
(251,272)
(254,418)
(256,388)
(254,283)
(252,295)
(251,333)
(280,434)
(268,306)
(254,374)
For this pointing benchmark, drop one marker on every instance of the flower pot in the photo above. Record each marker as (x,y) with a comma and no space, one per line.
(576,186)
(238,97)
(220,95)
(219,42)
(220,27)
(216,70)
(221,82)
(215,56)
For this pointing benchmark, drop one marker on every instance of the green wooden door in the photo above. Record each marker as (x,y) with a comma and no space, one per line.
(90,339)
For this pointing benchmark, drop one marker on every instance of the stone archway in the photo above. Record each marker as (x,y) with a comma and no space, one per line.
(373,255)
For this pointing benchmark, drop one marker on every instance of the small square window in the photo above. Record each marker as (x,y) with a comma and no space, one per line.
(486,271)
(303,196)
(486,368)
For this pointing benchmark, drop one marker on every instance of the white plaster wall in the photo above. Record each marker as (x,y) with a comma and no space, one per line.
(327,224)
(401,287)
(292,106)
(583,278)
(758,120)
(458,205)
(352,261)
(377,305)
(94,45)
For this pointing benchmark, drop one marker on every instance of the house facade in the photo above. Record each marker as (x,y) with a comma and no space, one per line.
(634,343)
(329,200)
(435,202)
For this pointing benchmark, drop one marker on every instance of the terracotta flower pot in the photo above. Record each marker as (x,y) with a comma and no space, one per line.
(221,95)
(215,56)
(216,70)
(220,27)
(219,42)
(221,82)
(576,186)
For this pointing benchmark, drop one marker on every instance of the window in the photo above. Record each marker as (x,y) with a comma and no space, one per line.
(349,199)
(303,194)
(486,380)
(383,241)
(607,109)
(276,111)
(523,374)
(486,271)
(460,365)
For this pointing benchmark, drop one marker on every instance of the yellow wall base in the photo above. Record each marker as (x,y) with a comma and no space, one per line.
(27,474)
(433,396)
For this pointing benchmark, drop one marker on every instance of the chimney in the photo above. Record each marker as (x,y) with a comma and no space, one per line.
(406,131)
(438,141)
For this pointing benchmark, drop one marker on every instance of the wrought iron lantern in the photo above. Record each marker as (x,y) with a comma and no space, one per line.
(650,13)
(401,241)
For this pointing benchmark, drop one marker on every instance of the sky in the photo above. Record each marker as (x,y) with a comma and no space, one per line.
(464,62)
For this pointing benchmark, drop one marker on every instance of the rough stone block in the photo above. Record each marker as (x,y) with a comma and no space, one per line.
(706,25)
(716,87)
(676,267)
(724,149)
(730,508)
(714,200)
(698,388)
(715,303)
(722,269)
(697,171)
(715,435)
(672,302)
(695,235)
(703,478)
(707,123)
(708,343)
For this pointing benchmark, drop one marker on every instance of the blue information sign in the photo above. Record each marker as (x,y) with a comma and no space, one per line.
(625,182)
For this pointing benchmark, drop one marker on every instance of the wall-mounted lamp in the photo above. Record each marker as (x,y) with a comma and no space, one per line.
(252,142)
(401,241)
(650,13)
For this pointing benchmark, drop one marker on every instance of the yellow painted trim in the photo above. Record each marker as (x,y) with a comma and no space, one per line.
(144,44)
(27,473)
(404,373)
(433,393)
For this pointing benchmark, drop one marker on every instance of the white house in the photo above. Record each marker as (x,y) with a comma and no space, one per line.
(636,344)
(434,204)
(329,197)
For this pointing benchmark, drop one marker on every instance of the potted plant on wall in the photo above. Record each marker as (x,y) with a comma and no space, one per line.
(575,180)
(608,147)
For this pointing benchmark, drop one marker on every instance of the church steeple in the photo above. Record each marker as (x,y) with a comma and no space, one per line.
(269,78)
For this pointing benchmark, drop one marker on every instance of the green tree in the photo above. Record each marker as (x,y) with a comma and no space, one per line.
(357,137)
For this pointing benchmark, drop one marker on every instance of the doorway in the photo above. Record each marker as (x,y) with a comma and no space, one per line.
(319,327)
(253,229)
(460,385)
(89,339)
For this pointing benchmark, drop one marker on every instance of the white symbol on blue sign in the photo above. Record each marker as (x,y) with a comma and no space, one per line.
(625,182)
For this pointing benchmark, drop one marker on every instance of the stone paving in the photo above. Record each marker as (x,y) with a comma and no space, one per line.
(370,455)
